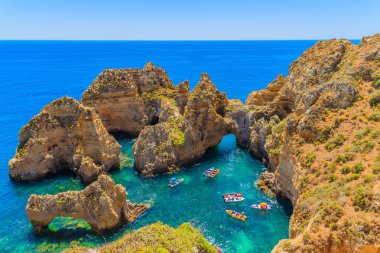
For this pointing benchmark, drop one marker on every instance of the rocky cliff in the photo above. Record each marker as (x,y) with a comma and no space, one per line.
(174,126)
(65,135)
(156,238)
(318,131)
(183,138)
(127,100)
(102,204)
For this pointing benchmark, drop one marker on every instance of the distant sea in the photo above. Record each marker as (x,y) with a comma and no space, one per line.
(33,73)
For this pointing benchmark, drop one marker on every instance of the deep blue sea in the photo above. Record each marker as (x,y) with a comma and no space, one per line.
(33,73)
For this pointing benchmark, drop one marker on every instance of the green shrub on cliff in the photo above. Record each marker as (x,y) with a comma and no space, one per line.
(336,142)
(156,237)
(177,136)
(343,158)
(375,98)
(310,158)
(358,168)
(332,177)
(363,197)
(346,169)
(376,80)
(374,116)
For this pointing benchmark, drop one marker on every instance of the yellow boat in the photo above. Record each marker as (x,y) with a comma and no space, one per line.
(237,215)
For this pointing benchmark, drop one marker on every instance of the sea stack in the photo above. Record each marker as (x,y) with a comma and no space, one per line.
(65,135)
(102,204)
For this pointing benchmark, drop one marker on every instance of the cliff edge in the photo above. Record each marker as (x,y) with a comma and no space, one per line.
(318,131)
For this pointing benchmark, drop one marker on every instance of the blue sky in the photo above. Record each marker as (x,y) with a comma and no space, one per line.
(188,20)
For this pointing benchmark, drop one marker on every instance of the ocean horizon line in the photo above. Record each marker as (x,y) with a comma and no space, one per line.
(137,40)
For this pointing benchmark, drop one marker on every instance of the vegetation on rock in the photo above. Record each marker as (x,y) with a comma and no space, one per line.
(156,237)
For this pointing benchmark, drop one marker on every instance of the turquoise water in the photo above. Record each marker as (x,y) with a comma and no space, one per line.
(199,199)
(33,73)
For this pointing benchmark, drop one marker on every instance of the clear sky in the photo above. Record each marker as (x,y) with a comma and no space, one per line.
(188,20)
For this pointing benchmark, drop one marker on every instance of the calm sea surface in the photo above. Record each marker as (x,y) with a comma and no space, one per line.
(33,73)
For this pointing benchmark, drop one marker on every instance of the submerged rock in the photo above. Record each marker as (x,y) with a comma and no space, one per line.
(65,135)
(102,204)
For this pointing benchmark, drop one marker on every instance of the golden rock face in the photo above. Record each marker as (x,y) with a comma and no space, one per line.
(102,204)
(65,135)
(318,132)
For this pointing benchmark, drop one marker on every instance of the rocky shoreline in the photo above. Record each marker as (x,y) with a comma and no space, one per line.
(317,130)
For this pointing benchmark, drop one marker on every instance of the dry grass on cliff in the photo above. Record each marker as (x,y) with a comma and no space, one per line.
(342,191)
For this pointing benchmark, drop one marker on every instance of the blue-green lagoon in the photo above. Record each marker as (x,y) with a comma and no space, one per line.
(197,200)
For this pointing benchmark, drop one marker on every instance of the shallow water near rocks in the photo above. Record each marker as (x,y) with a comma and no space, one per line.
(199,201)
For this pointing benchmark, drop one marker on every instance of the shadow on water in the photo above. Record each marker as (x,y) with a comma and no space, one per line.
(67,227)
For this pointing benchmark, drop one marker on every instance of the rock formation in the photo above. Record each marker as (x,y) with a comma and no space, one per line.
(174,126)
(65,135)
(102,204)
(127,100)
(318,131)
(183,138)
(156,237)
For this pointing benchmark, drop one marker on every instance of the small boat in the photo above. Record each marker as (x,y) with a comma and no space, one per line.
(174,182)
(229,195)
(233,199)
(207,172)
(213,173)
(237,215)
(262,206)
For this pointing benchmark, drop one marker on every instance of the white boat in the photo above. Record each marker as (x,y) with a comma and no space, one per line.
(261,206)
(175,182)
(233,199)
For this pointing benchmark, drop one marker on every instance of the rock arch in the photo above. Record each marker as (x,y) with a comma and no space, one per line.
(102,205)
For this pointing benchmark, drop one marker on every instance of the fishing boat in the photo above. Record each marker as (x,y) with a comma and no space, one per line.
(233,199)
(174,182)
(229,195)
(237,215)
(261,206)
(213,173)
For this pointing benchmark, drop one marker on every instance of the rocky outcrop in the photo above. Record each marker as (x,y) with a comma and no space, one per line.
(65,135)
(156,237)
(317,129)
(102,204)
(127,100)
(183,138)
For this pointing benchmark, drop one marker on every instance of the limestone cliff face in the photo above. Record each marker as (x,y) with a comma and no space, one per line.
(102,204)
(318,131)
(64,136)
(183,138)
(127,100)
